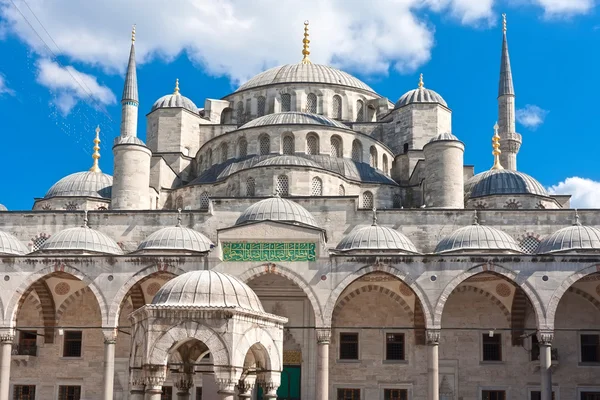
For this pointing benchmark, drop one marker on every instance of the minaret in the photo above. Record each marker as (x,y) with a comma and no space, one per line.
(130,100)
(510,140)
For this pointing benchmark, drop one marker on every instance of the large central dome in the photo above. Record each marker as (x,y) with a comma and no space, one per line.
(308,73)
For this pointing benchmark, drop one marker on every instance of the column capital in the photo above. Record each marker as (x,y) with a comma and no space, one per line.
(184,383)
(136,379)
(244,389)
(433,336)
(270,389)
(545,337)
(323,335)
(225,386)
(155,375)
(7,338)
(110,335)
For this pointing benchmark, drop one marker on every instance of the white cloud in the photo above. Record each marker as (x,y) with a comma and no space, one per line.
(71,86)
(531,116)
(4,89)
(585,192)
(558,8)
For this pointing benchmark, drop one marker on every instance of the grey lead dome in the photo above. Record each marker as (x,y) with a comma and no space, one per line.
(9,244)
(503,181)
(277,209)
(81,239)
(420,95)
(571,238)
(177,238)
(293,118)
(376,237)
(447,136)
(479,238)
(175,100)
(83,184)
(208,289)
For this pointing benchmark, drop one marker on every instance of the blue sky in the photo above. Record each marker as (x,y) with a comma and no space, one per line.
(62,68)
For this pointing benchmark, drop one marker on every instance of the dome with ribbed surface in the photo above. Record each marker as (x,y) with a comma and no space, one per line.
(175,100)
(304,73)
(83,184)
(503,181)
(293,118)
(477,238)
(128,140)
(288,160)
(81,239)
(442,137)
(420,95)
(177,238)
(209,289)
(376,238)
(572,238)
(277,209)
(9,244)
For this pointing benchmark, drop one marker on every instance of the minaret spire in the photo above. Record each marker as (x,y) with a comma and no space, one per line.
(306,42)
(506,82)
(96,155)
(130,100)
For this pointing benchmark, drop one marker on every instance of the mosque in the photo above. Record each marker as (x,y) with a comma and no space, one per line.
(301,238)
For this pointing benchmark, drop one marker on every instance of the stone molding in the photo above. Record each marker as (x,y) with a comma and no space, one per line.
(323,335)
(433,336)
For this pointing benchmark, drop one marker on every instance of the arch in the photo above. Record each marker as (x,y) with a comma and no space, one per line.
(251,337)
(341,190)
(400,275)
(586,296)
(357,150)
(373,288)
(311,103)
(316,186)
(209,158)
(226,116)
(284,272)
(70,300)
(360,110)
(261,106)
(373,157)
(264,145)
(26,287)
(242,147)
(47,308)
(224,152)
(336,104)
(287,144)
(490,268)
(312,144)
(337,149)
(283,186)
(469,288)
(368,200)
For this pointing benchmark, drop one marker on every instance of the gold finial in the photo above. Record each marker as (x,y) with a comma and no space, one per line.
(176,86)
(421,84)
(374,216)
(96,154)
(504,23)
(305,41)
(133,34)
(496,146)
(178,217)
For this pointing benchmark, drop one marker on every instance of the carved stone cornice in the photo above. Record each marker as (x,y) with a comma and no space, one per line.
(433,336)
(323,335)
(545,337)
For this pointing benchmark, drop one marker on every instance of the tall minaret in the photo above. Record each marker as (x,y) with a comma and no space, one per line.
(510,140)
(130,100)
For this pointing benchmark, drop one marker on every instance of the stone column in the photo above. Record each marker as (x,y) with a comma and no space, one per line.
(226,389)
(545,340)
(433,368)
(6,341)
(154,377)
(244,390)
(322,386)
(183,385)
(110,340)
(270,390)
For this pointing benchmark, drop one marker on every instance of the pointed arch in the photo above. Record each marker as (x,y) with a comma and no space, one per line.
(252,337)
(48,309)
(374,288)
(464,288)
(70,300)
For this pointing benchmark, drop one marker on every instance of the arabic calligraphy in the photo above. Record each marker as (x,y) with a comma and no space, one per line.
(243,251)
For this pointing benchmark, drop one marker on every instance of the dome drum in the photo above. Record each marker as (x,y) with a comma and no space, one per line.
(477,239)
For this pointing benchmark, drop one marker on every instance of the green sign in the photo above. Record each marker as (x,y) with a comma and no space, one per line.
(233,251)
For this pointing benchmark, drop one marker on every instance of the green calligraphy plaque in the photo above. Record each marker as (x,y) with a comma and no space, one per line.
(255,251)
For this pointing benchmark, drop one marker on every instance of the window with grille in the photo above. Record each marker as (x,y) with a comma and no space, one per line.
(209,158)
(341,190)
(70,206)
(529,245)
(23,392)
(167,393)
(248,109)
(288,145)
(199,393)
(395,394)
(360,110)
(250,187)
(337,107)
(348,346)
(311,103)
(224,152)
(27,343)
(336,147)
(38,241)
(373,157)
(492,347)
(348,394)
(72,344)
(282,185)
(265,145)
(357,151)
(385,164)
(240,112)
(397,201)
(590,395)
(69,392)
(590,348)
(493,395)
(286,102)
(316,188)
(242,148)
(312,145)
(537,395)
(394,346)
(204,201)
(367,200)
(261,105)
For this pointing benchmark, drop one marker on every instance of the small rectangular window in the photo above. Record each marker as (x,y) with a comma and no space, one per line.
(72,344)
(537,395)
(69,392)
(493,395)
(395,394)
(590,348)
(167,393)
(199,393)
(394,346)
(492,347)
(348,346)
(348,394)
(590,395)
(27,343)
(24,392)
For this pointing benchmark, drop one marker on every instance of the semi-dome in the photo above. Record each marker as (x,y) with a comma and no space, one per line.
(501,182)
(420,95)
(80,239)
(288,160)
(442,137)
(277,209)
(177,238)
(293,118)
(377,238)
(83,184)
(477,238)
(9,244)
(571,238)
(304,73)
(209,289)
(175,100)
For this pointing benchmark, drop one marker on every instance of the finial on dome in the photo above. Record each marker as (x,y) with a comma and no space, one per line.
(133,34)
(577,218)
(96,154)
(476,218)
(85,219)
(178,218)
(496,148)
(306,42)
(374,216)
(504,23)
(176,91)
(421,84)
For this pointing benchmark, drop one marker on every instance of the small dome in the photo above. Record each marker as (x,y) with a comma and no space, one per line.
(175,100)
(420,95)
(288,160)
(208,289)
(3,207)
(376,237)
(503,181)
(9,244)
(277,209)
(477,238)
(293,118)
(128,140)
(177,238)
(442,137)
(81,239)
(572,238)
(83,184)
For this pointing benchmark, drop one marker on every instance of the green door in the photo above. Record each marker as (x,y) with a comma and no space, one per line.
(290,384)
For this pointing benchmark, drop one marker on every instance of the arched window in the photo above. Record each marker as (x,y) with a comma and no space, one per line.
(336,147)
(385,165)
(283,186)
(367,200)
(179,203)
(265,145)
(261,106)
(204,201)
(239,112)
(209,159)
(337,107)
(250,187)
(373,157)
(357,150)
(341,190)
(242,148)
(311,103)
(397,201)
(360,110)
(286,102)
(316,187)
(226,116)
(224,152)
(288,145)
(312,144)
